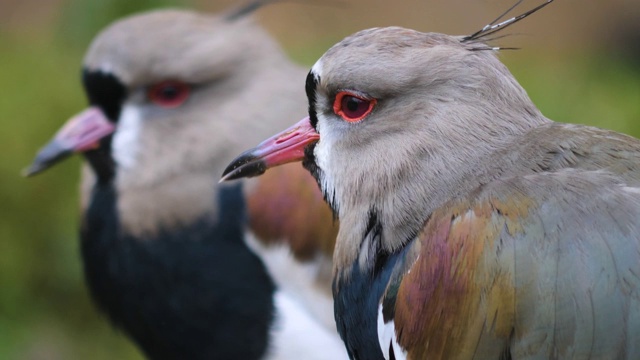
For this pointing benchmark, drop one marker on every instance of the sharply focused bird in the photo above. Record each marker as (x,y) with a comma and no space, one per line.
(188,268)
(471,226)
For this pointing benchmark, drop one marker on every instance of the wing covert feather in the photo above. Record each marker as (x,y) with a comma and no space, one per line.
(537,266)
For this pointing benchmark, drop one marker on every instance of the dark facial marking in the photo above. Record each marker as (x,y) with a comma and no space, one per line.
(105,91)
(311,88)
(108,93)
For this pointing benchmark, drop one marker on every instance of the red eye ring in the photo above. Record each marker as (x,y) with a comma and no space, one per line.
(169,93)
(352,107)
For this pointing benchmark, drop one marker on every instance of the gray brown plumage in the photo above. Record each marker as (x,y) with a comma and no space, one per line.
(471,226)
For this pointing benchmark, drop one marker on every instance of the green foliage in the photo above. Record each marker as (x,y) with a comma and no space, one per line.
(591,89)
(44,308)
(45,311)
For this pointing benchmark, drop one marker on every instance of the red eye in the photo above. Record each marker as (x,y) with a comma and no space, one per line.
(351,107)
(169,94)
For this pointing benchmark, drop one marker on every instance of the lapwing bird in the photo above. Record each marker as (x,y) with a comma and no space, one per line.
(184,266)
(471,226)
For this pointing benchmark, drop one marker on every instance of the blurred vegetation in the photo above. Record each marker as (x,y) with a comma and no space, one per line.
(45,312)
(81,20)
(587,88)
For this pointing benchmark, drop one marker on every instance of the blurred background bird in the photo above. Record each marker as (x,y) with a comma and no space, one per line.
(471,226)
(573,62)
(169,254)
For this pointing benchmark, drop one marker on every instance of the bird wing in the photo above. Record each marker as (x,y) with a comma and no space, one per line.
(536,266)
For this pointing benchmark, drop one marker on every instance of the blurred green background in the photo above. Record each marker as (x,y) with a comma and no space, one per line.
(580,62)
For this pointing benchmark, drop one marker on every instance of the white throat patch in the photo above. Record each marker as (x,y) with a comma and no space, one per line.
(322,154)
(125,139)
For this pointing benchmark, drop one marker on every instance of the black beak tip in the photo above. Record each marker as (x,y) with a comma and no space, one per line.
(245,165)
(49,155)
(32,170)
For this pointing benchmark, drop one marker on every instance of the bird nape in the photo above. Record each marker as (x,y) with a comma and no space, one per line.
(186,267)
(471,226)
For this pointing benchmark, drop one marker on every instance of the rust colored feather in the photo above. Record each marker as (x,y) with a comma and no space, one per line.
(452,298)
(287,206)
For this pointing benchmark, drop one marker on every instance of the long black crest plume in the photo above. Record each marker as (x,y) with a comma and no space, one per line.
(496,26)
(247,9)
(251,7)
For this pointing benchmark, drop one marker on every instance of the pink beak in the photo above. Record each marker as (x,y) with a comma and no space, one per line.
(81,133)
(285,147)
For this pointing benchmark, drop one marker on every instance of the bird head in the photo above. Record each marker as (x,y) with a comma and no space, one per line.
(169,92)
(399,121)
